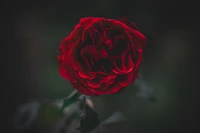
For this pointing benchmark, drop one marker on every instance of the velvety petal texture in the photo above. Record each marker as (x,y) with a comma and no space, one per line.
(101,56)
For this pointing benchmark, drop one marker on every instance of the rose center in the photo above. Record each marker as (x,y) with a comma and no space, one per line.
(96,58)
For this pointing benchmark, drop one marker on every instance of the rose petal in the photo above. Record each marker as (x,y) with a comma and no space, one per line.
(95,83)
(130,64)
(98,32)
(127,69)
(65,69)
(91,51)
(139,58)
(85,22)
(131,24)
(75,63)
(126,80)
(109,44)
(84,89)
(124,20)
(112,88)
(82,80)
(138,39)
(76,34)
(103,53)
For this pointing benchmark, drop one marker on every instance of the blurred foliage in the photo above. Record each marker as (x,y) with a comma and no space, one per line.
(48,114)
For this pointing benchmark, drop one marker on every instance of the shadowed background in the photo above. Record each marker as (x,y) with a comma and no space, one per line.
(36,29)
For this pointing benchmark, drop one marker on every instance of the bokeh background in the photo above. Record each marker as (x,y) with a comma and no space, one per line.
(35,29)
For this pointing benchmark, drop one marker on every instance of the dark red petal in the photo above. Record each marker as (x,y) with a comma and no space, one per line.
(84,89)
(89,50)
(125,69)
(128,79)
(139,58)
(130,24)
(103,53)
(109,44)
(75,62)
(96,82)
(112,88)
(65,69)
(138,39)
(124,20)
(76,33)
(85,22)
(133,26)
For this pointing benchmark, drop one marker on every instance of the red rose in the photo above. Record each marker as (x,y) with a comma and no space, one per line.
(101,56)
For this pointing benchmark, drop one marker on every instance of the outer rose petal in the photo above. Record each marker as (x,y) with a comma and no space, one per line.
(111,89)
(65,69)
(84,22)
(138,39)
(131,24)
(84,90)
(130,67)
(76,33)
(97,83)
(128,79)
(76,64)
(88,21)
(137,36)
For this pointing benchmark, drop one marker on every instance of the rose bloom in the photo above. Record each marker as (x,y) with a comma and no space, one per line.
(101,56)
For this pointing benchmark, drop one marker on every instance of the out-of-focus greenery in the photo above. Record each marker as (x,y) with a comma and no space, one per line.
(47,114)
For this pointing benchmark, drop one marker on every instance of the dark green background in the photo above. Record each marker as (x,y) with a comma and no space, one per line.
(35,30)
